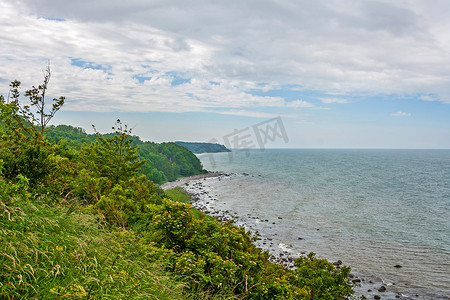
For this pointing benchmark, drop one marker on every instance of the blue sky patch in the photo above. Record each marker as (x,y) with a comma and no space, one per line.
(180,80)
(88,65)
(141,79)
(54,19)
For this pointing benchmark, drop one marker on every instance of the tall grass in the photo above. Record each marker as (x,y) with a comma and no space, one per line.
(61,253)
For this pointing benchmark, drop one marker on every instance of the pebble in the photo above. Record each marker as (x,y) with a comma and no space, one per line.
(196,189)
(382,289)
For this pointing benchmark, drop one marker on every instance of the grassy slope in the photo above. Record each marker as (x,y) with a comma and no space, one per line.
(59,252)
(179,195)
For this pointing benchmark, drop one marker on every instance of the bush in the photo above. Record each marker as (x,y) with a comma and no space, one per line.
(321,279)
(10,192)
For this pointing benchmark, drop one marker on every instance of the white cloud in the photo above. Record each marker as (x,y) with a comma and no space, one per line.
(428,98)
(300,104)
(401,114)
(333,100)
(343,47)
(246,113)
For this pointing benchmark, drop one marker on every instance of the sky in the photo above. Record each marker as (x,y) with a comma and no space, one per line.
(301,73)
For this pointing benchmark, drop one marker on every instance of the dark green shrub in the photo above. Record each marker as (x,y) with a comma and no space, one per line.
(321,280)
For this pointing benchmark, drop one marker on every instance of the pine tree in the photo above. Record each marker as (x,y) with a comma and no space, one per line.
(113,157)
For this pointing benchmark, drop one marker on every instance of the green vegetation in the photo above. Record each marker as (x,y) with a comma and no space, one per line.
(83,221)
(163,162)
(178,194)
(62,253)
(203,147)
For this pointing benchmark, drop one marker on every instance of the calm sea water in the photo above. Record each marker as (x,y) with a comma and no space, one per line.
(372,209)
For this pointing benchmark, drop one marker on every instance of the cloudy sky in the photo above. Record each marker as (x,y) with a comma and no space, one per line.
(339,73)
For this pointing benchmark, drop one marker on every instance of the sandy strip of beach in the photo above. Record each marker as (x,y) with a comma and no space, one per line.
(183,181)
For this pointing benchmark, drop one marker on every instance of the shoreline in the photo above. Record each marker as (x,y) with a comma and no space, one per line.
(182,181)
(204,199)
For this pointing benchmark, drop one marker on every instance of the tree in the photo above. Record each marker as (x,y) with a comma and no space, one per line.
(115,157)
(22,145)
(22,148)
(37,99)
(14,121)
(108,161)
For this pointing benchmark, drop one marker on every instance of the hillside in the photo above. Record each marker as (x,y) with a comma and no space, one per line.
(203,147)
(164,162)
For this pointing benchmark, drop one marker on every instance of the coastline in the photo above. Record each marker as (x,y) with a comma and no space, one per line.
(342,205)
(204,199)
(182,181)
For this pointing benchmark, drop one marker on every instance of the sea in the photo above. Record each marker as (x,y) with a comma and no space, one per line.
(384,213)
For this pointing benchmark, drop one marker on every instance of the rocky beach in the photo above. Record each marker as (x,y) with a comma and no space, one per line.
(203,198)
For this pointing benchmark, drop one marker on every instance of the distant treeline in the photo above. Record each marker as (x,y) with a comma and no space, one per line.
(203,147)
(164,162)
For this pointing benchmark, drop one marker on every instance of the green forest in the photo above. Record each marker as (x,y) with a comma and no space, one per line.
(81,217)
(163,162)
(203,147)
